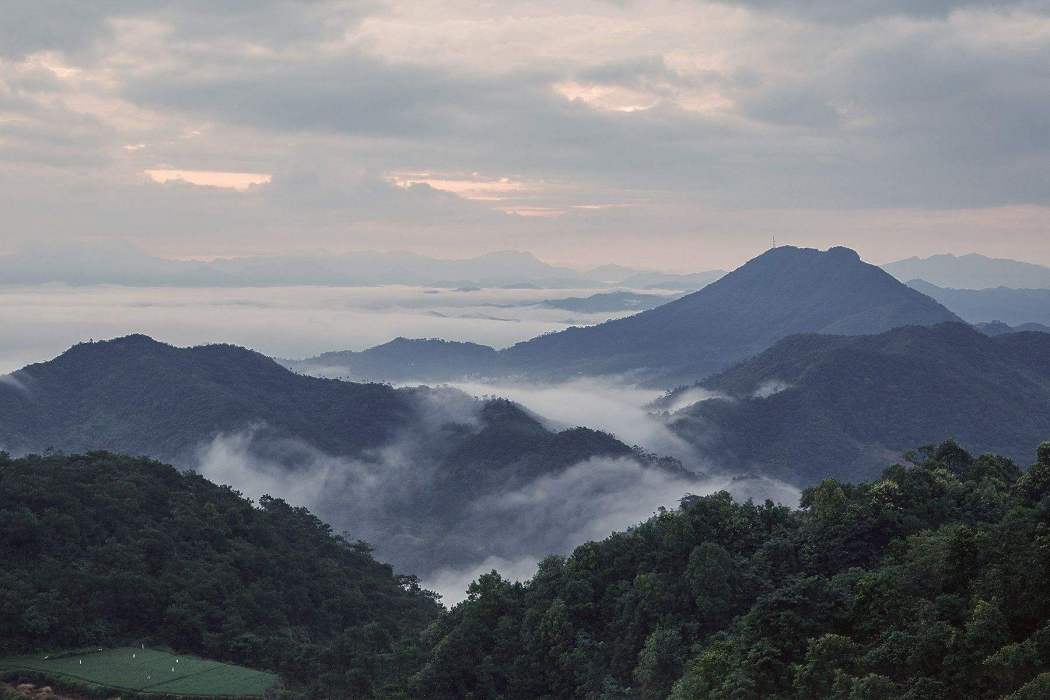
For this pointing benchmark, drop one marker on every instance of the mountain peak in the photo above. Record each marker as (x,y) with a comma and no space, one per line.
(132,340)
(971,271)
(784,255)
(782,252)
(785,290)
(844,253)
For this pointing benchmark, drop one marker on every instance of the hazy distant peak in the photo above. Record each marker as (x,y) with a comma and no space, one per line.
(844,253)
(971,271)
(1015,307)
(509,256)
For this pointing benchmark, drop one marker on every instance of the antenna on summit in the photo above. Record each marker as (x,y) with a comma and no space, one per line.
(774,237)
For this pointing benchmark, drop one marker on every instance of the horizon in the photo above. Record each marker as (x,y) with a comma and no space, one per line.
(122,245)
(188,315)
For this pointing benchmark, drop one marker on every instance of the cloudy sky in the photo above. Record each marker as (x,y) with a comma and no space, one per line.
(674,134)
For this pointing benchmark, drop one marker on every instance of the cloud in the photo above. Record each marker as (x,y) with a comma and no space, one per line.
(688,397)
(843,11)
(75,28)
(608,404)
(210,178)
(293,322)
(452,584)
(709,120)
(397,497)
(15,381)
(588,501)
(769,388)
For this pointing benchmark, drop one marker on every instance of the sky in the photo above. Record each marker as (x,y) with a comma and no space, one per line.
(678,135)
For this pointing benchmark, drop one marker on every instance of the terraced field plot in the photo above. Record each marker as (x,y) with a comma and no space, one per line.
(147,671)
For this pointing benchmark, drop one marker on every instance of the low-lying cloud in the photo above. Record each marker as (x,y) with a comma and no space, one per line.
(386,498)
(769,388)
(586,502)
(13,381)
(609,404)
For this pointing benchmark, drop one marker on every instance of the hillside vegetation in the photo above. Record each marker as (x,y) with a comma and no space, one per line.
(101,549)
(139,396)
(928,583)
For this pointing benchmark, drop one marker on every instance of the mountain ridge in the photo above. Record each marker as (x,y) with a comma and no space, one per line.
(971,271)
(1010,305)
(815,405)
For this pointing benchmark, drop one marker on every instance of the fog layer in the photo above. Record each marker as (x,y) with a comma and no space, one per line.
(40,322)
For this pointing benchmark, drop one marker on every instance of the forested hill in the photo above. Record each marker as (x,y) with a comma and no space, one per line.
(101,549)
(139,396)
(927,584)
(404,360)
(816,405)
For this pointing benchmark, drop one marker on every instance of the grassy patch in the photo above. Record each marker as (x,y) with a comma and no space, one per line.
(145,672)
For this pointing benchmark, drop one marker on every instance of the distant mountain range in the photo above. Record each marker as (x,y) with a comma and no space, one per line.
(1010,306)
(605,302)
(126,265)
(410,470)
(814,406)
(663,280)
(1000,328)
(633,278)
(971,272)
(404,360)
(785,291)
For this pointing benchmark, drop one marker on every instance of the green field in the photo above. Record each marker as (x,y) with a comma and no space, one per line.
(146,671)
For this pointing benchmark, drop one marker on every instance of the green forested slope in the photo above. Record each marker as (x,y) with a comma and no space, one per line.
(927,583)
(101,549)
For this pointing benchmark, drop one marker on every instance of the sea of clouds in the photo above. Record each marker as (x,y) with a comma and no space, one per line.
(39,322)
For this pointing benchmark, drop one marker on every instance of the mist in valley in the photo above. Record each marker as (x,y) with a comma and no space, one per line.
(386,497)
(377,496)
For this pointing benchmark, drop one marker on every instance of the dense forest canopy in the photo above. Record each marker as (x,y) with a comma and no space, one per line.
(102,549)
(927,583)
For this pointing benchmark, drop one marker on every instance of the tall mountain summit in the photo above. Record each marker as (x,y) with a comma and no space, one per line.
(784,291)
